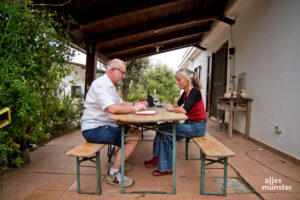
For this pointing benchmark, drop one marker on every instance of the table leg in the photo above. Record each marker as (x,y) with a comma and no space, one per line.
(230,120)
(122,158)
(248,120)
(218,120)
(174,158)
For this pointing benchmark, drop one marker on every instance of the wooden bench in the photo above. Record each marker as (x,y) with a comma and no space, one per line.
(87,152)
(210,147)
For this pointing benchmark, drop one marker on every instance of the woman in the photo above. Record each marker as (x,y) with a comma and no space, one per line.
(191,104)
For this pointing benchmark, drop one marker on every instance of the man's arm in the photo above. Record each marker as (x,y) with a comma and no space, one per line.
(126,103)
(122,109)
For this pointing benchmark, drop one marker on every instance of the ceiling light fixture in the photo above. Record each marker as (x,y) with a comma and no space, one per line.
(157,48)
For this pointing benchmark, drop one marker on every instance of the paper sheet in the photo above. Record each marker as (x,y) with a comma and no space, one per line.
(146,112)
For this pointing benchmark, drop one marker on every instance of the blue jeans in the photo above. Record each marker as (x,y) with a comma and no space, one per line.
(163,144)
(105,134)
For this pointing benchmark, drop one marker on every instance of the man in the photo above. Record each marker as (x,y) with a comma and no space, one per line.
(102,101)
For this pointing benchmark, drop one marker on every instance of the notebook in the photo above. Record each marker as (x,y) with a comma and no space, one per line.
(146,112)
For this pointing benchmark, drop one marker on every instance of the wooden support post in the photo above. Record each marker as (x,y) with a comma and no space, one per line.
(248,112)
(91,64)
(230,120)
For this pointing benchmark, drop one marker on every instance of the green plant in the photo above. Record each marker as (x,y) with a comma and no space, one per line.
(160,78)
(34,48)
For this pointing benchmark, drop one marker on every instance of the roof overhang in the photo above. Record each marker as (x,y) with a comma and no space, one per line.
(137,28)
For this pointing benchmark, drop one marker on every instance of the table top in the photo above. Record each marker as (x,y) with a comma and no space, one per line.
(234,99)
(162,115)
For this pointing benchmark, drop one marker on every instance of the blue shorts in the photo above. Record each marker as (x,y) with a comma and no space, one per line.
(105,134)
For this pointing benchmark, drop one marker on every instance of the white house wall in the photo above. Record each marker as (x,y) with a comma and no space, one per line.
(77,76)
(266,38)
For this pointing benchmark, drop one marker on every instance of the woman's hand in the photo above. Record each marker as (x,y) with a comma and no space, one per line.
(175,108)
(170,108)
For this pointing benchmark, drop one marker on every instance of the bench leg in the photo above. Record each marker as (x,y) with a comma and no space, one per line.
(78,174)
(98,173)
(223,161)
(187,140)
(225,176)
(202,156)
(110,152)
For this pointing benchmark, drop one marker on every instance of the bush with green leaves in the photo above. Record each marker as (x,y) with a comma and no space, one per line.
(33,51)
(160,78)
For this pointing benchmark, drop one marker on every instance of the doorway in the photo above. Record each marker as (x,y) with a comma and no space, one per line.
(218,77)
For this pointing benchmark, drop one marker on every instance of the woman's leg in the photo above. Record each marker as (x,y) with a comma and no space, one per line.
(165,156)
(154,160)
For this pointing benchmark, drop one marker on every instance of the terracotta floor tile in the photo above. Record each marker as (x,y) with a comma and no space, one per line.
(176,197)
(295,194)
(75,196)
(44,195)
(278,196)
(15,194)
(51,174)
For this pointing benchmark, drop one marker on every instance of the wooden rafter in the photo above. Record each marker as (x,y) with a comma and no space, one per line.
(185,18)
(118,10)
(165,48)
(159,39)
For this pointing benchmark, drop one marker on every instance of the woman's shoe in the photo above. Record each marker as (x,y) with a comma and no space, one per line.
(159,173)
(151,163)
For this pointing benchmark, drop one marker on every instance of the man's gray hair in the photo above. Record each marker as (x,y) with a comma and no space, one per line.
(113,63)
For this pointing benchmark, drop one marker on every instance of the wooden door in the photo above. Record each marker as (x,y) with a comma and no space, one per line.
(208,86)
(219,75)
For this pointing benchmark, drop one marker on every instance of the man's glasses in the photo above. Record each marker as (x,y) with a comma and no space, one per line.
(120,71)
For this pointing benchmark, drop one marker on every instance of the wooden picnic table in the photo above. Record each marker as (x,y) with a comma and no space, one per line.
(149,122)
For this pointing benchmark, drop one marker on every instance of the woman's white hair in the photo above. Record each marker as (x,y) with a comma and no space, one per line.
(189,75)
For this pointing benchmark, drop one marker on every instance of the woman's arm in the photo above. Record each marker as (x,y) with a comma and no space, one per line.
(175,108)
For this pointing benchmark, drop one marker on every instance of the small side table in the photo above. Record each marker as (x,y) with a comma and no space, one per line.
(231,105)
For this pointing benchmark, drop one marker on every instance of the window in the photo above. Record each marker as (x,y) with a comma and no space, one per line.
(76,91)
(198,71)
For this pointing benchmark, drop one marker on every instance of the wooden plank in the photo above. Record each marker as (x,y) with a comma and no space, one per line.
(86,149)
(161,116)
(197,30)
(212,147)
(167,22)
(169,46)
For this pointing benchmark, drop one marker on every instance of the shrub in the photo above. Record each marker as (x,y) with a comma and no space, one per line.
(34,47)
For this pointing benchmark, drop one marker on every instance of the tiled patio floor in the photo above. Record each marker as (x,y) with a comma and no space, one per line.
(52,175)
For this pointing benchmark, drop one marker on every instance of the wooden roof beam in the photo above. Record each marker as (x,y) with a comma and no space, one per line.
(185,18)
(114,10)
(159,39)
(224,19)
(199,47)
(165,48)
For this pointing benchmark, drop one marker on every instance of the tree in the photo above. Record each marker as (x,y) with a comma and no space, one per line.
(134,71)
(160,78)
(163,80)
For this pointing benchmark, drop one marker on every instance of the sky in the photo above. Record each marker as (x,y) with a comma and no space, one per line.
(172,58)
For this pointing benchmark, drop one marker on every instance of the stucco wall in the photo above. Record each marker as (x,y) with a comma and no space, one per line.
(266,38)
(77,76)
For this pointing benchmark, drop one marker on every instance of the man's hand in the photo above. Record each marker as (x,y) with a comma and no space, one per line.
(144,103)
(139,107)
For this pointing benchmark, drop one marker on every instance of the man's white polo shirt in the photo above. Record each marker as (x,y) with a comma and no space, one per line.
(101,94)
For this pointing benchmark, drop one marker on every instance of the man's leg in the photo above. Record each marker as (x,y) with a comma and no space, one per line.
(128,149)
